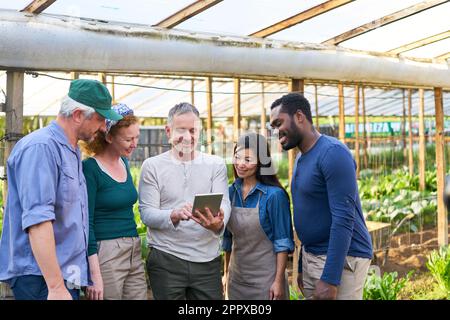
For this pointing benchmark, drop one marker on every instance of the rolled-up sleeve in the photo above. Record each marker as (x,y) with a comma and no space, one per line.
(281,222)
(37,178)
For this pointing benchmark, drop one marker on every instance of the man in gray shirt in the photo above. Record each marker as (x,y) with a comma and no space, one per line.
(184,260)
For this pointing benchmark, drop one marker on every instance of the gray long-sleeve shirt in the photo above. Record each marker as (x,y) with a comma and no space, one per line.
(167,184)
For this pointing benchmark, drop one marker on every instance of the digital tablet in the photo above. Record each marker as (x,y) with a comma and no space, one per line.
(209,200)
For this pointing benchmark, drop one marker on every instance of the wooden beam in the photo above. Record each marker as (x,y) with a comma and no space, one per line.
(421,43)
(365,155)
(357,158)
(410,149)
(295,85)
(421,140)
(443,57)
(301,17)
(237,110)
(341,113)
(209,118)
(396,16)
(14,116)
(316,102)
(37,6)
(440,161)
(263,111)
(186,13)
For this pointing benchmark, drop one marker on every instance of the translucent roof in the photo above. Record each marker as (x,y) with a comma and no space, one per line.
(242,18)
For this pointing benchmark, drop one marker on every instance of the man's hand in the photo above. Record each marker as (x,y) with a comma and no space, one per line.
(300,283)
(60,292)
(276,290)
(325,291)
(181,214)
(208,221)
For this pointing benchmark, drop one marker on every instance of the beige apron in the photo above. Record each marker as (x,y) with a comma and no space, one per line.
(253,262)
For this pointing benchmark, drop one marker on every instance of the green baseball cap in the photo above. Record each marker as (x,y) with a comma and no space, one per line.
(94,94)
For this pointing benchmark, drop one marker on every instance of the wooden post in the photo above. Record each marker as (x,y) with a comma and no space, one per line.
(341,113)
(365,156)
(209,115)
(316,100)
(295,85)
(13,132)
(357,159)
(440,174)
(113,90)
(74,75)
(263,111)
(237,110)
(193,90)
(410,149)
(405,149)
(102,77)
(421,141)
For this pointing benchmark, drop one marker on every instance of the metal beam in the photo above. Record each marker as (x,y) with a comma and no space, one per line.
(396,16)
(299,18)
(186,13)
(37,6)
(113,48)
(421,42)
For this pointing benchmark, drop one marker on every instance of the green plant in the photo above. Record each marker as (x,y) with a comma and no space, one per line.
(295,294)
(439,265)
(386,287)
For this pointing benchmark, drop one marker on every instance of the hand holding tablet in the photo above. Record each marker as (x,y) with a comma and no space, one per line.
(206,211)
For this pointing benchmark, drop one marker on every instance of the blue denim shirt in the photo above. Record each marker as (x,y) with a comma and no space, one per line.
(274,214)
(45,183)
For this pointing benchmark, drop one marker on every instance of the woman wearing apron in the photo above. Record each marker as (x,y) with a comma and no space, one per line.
(259,234)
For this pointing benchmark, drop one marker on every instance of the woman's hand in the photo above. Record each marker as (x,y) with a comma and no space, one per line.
(276,290)
(95,292)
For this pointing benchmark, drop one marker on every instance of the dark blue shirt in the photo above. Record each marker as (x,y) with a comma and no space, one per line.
(274,214)
(327,210)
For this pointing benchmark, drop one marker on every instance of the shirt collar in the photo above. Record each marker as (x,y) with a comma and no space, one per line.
(60,135)
(259,186)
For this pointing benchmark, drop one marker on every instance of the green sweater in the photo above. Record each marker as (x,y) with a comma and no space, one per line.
(110,205)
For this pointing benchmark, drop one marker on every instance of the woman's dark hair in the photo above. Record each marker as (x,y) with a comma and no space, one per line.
(265,172)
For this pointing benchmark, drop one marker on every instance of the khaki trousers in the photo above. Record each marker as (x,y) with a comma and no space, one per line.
(352,279)
(122,269)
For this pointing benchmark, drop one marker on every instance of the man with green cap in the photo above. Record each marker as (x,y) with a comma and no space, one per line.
(43,249)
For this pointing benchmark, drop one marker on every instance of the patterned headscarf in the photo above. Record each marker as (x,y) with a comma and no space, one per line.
(121,109)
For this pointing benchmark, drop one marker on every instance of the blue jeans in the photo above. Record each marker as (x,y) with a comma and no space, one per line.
(34,288)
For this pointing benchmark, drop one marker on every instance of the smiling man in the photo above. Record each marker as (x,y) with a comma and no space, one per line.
(336,245)
(184,260)
(43,250)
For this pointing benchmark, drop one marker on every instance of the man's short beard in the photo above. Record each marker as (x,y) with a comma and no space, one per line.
(294,138)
